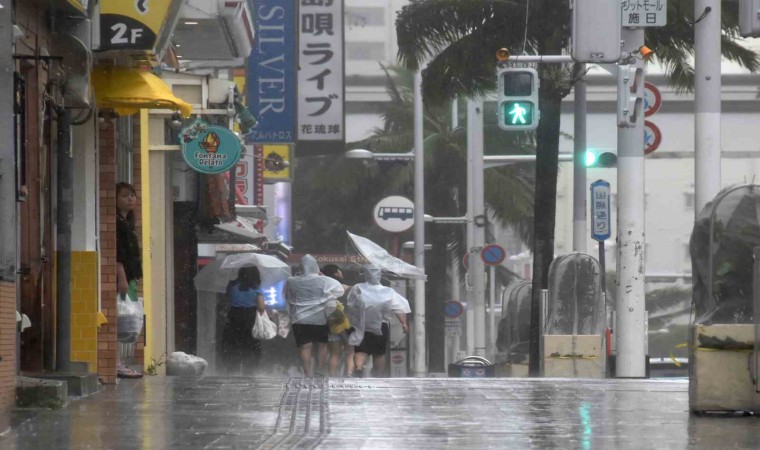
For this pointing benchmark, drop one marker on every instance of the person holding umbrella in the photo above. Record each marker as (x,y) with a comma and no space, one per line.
(311,297)
(239,348)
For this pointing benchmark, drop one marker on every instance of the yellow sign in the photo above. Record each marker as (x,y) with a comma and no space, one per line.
(132,24)
(276,162)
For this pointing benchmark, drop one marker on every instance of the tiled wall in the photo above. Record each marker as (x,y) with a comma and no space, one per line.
(107,345)
(84,308)
(7,347)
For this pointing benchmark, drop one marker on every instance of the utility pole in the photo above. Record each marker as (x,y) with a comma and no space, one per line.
(707,89)
(631,314)
(420,366)
(579,165)
(475,192)
(8,216)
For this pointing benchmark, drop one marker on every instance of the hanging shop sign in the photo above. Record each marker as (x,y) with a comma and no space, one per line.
(209,149)
(131,25)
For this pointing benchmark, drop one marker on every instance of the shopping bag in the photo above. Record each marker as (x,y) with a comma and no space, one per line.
(264,329)
(129,318)
(338,321)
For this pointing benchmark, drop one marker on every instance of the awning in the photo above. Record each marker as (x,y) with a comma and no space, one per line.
(127,90)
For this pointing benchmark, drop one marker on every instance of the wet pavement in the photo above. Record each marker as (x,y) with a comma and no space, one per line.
(238,413)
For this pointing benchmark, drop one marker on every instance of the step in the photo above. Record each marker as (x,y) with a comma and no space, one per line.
(40,393)
(79,384)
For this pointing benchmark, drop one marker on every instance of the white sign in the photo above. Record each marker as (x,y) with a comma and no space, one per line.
(644,13)
(453,327)
(320,72)
(394,214)
(600,210)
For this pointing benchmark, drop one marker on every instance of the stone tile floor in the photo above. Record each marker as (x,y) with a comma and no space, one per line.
(239,413)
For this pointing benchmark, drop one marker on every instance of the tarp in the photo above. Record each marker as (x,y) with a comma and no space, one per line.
(576,304)
(127,90)
(382,259)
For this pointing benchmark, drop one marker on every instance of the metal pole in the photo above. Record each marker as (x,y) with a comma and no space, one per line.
(707,89)
(8,203)
(492,311)
(579,166)
(631,316)
(477,268)
(419,367)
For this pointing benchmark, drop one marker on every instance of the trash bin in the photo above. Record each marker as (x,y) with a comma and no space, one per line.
(472,367)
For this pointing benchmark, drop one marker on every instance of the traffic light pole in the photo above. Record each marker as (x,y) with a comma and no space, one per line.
(419,361)
(707,89)
(476,199)
(631,316)
(579,165)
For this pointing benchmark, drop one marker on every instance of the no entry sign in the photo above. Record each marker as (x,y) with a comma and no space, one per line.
(493,254)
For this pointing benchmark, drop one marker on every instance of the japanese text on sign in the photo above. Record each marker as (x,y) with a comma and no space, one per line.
(320,75)
(600,210)
(644,13)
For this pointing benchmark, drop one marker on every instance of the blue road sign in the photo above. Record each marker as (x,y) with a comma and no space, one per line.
(453,309)
(600,210)
(493,254)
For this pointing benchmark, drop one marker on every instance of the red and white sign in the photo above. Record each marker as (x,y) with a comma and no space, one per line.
(652,137)
(652,99)
(493,254)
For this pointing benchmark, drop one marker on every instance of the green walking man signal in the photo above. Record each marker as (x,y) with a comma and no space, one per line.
(518,99)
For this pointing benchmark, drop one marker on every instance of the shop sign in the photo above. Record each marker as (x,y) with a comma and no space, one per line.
(209,149)
(131,25)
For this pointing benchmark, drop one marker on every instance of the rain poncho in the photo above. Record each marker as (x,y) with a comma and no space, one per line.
(370,304)
(311,297)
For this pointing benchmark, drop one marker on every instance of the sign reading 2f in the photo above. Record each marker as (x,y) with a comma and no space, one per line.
(131,24)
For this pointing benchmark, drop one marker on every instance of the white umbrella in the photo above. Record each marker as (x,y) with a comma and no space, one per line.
(215,276)
(381,258)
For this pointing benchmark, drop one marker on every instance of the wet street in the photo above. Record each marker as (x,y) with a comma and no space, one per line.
(187,413)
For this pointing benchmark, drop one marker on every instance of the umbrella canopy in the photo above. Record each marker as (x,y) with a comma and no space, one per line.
(215,276)
(381,258)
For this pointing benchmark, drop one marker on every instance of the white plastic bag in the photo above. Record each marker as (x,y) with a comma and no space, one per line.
(180,363)
(264,329)
(130,316)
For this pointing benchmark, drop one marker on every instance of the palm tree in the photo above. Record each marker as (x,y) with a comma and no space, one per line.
(460,38)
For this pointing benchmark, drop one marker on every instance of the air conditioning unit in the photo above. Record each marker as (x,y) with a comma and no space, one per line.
(239,24)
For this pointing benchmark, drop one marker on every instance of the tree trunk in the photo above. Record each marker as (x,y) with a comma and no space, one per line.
(547,156)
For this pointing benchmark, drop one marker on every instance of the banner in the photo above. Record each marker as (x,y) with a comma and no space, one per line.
(271,85)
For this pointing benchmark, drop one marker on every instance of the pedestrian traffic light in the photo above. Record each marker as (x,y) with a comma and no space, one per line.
(600,158)
(630,103)
(749,18)
(518,99)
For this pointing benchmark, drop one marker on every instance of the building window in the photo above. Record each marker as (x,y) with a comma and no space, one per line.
(124,146)
(365,51)
(365,17)
(688,200)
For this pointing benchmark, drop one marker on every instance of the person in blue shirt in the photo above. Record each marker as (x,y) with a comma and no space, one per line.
(240,351)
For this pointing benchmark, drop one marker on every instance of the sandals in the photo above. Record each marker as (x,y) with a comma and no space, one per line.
(124,371)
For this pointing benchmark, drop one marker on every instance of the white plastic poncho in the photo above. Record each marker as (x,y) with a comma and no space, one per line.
(311,297)
(370,304)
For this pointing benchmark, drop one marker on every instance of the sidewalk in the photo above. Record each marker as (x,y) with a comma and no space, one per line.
(186,413)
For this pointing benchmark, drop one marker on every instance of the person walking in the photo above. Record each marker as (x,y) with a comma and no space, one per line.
(370,305)
(240,351)
(311,297)
(128,258)
(338,343)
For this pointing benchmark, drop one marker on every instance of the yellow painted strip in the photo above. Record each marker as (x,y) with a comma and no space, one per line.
(146,236)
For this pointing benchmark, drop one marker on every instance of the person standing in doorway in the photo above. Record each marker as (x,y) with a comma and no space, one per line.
(311,297)
(128,257)
(240,351)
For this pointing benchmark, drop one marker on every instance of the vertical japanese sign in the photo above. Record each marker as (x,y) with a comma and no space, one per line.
(320,74)
(600,210)
(244,176)
(644,13)
(271,85)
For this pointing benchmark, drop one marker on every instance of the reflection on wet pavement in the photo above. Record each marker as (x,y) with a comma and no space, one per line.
(215,412)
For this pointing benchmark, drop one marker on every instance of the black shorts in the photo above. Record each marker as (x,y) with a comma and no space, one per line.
(374,344)
(305,334)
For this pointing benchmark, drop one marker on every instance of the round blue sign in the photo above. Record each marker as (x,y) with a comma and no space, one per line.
(453,309)
(208,148)
(493,254)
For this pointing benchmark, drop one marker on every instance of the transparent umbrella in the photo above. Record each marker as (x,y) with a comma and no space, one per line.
(381,258)
(215,276)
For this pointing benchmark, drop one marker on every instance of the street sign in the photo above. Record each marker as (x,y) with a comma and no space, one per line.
(652,99)
(600,210)
(493,254)
(466,261)
(453,327)
(209,149)
(453,309)
(652,137)
(652,13)
(394,214)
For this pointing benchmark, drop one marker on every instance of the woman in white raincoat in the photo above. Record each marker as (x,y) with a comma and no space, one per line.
(369,308)
(311,298)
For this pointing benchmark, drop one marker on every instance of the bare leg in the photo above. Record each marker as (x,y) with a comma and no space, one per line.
(305,352)
(322,354)
(335,353)
(378,362)
(359,359)
(349,358)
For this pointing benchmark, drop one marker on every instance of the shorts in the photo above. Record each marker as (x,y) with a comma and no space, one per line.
(306,334)
(374,344)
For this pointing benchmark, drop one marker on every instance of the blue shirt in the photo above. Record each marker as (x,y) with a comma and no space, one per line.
(242,299)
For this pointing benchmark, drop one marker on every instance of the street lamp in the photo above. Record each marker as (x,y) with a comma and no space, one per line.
(361,153)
